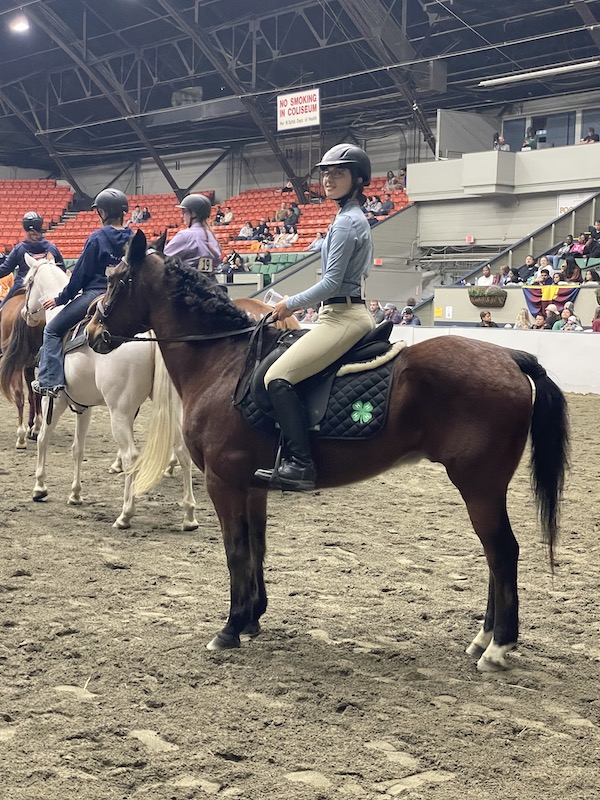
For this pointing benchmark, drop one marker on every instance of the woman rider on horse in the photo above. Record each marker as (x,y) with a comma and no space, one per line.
(196,245)
(104,248)
(347,255)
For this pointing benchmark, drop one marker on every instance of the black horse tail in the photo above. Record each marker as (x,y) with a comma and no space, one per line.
(15,359)
(549,445)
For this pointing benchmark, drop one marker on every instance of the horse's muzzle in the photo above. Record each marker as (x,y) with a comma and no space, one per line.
(102,343)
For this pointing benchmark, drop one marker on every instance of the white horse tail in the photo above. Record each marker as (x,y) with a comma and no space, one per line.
(165,423)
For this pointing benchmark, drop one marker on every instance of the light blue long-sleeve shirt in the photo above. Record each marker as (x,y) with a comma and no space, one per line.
(346,255)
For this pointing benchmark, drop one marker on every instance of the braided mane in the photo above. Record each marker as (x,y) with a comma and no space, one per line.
(194,291)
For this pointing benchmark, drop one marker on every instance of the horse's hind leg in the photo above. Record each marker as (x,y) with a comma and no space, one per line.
(122,429)
(190,523)
(242,513)
(34,421)
(78,450)
(501,625)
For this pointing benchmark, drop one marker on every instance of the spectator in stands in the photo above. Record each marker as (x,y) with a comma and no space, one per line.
(557,277)
(502,278)
(570,306)
(371,218)
(136,216)
(595,232)
(528,268)
(543,263)
(562,320)
(570,271)
(523,321)
(530,141)
(500,143)
(543,278)
(487,279)
(577,247)
(486,320)
(281,213)
(246,232)
(33,243)
(146,215)
(591,137)
(228,217)
(391,313)
(591,248)
(293,216)
(572,324)
(317,242)
(562,251)
(219,214)
(592,278)
(392,182)
(514,277)
(409,317)
(376,205)
(539,323)
(311,316)
(596,321)
(552,315)
(196,244)
(238,264)
(104,248)
(289,187)
(290,237)
(376,311)
(262,232)
(387,206)
(264,257)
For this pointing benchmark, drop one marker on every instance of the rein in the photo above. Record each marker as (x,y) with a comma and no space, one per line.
(193,337)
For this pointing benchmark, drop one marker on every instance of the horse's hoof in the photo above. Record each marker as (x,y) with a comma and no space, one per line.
(115,470)
(223,641)
(252,629)
(39,497)
(32,436)
(487,665)
(75,501)
(122,524)
(190,526)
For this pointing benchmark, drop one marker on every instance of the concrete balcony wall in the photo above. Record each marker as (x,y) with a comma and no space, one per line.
(554,170)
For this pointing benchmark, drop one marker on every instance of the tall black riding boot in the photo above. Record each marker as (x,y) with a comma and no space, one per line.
(296,472)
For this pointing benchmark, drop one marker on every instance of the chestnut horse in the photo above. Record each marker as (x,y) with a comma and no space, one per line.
(466,404)
(20,346)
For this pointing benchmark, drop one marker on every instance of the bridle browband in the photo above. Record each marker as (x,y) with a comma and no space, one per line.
(104,311)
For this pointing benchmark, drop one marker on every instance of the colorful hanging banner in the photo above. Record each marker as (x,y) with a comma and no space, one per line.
(539,297)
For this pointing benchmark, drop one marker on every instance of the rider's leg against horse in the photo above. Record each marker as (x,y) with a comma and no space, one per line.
(296,472)
(51,374)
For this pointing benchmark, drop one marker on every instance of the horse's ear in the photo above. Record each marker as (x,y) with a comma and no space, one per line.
(137,248)
(30,261)
(159,244)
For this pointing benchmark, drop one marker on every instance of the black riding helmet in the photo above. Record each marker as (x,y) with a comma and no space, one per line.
(112,202)
(351,156)
(32,221)
(198,206)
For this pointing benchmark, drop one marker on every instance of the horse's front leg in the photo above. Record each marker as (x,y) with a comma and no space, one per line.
(243,516)
(78,450)
(40,490)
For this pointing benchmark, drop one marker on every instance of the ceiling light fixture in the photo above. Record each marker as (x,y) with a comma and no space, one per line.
(19,24)
(540,73)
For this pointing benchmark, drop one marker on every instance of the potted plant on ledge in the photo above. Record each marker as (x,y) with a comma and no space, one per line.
(487,296)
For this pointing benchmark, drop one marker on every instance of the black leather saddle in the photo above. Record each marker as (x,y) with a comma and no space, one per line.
(314,391)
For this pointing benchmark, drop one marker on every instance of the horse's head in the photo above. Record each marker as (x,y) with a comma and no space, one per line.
(43,280)
(122,311)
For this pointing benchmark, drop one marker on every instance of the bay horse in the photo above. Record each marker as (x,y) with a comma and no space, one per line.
(121,382)
(20,346)
(465,404)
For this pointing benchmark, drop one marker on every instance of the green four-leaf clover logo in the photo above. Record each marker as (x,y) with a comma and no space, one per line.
(361,412)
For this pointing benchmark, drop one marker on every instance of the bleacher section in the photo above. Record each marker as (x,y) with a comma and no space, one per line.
(17,197)
(71,232)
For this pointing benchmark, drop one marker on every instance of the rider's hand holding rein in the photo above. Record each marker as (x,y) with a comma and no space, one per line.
(49,303)
(281,311)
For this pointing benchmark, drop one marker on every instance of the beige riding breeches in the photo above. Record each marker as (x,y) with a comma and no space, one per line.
(339,328)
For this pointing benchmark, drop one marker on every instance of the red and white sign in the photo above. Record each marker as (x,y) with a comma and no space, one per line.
(298,109)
